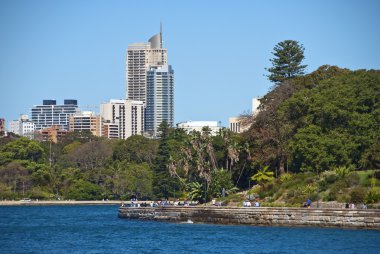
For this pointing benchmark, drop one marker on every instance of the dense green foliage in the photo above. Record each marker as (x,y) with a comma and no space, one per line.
(315,136)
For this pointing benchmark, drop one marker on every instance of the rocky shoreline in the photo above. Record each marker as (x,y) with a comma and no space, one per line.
(263,216)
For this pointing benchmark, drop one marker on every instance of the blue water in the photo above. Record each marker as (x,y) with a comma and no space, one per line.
(97,229)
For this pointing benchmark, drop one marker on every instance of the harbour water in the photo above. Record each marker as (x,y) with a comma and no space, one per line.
(97,229)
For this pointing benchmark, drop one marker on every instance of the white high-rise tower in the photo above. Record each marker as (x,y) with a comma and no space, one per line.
(139,57)
(151,80)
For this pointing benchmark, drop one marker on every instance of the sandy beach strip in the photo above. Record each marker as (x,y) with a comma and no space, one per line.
(58,202)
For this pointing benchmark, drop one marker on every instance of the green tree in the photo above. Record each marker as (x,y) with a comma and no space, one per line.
(263,176)
(133,179)
(286,64)
(164,186)
(136,149)
(83,190)
(22,149)
(221,179)
(195,191)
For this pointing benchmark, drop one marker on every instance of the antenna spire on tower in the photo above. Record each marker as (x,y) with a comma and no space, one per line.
(161,34)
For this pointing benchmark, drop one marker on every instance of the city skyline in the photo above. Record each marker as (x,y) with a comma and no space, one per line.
(58,50)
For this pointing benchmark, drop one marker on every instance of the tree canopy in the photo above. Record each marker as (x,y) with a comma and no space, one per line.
(287,61)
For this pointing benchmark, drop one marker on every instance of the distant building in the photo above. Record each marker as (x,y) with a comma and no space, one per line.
(52,134)
(234,124)
(86,121)
(49,114)
(139,57)
(2,126)
(238,125)
(126,115)
(255,105)
(110,130)
(151,80)
(23,127)
(199,125)
(14,127)
(160,98)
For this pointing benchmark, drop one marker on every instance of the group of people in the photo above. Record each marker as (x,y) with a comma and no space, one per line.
(247,203)
(352,206)
(134,203)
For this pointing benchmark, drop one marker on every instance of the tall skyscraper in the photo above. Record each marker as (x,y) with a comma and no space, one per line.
(151,80)
(139,57)
(160,98)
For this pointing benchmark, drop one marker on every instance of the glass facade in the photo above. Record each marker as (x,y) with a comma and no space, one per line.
(49,114)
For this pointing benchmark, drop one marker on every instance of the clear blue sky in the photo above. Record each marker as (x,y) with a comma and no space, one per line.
(218,49)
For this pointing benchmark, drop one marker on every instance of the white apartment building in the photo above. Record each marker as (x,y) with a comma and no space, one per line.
(23,127)
(125,116)
(190,126)
(151,80)
(49,114)
(139,57)
(160,98)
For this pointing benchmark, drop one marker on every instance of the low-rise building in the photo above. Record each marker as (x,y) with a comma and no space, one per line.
(243,123)
(190,126)
(23,127)
(125,115)
(52,134)
(110,130)
(86,121)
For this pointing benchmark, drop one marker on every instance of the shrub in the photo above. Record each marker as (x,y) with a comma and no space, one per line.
(330,177)
(83,190)
(286,177)
(373,196)
(358,195)
(352,179)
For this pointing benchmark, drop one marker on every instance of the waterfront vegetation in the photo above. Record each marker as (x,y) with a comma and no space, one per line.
(315,136)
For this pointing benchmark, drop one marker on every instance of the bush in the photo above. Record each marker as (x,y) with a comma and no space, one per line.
(38,193)
(373,196)
(358,195)
(330,177)
(352,179)
(83,190)
(286,177)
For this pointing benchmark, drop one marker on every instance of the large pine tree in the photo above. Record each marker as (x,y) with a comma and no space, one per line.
(164,186)
(286,64)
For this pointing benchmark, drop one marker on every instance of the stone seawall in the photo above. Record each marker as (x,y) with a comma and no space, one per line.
(263,216)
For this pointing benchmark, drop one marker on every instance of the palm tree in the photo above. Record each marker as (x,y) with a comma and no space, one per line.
(263,176)
(195,190)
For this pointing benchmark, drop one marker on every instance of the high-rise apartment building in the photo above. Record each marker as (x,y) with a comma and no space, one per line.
(139,57)
(122,118)
(49,114)
(151,80)
(160,98)
(86,121)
